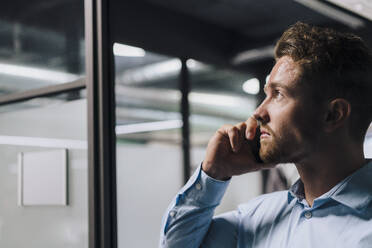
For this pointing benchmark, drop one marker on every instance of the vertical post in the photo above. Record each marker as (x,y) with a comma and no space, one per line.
(101,126)
(185,89)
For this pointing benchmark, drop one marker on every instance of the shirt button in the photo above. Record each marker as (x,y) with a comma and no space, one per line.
(172,213)
(308,215)
(198,186)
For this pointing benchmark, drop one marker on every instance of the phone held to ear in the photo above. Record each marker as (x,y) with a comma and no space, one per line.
(256,146)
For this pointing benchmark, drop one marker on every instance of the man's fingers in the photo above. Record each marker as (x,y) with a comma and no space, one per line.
(241,132)
(252,125)
(235,135)
(226,131)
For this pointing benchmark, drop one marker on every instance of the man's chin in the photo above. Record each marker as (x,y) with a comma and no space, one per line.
(269,160)
(268,155)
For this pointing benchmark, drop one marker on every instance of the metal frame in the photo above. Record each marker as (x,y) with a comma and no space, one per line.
(42,92)
(101,126)
(185,111)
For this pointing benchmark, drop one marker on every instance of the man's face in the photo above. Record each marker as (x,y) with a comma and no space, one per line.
(289,119)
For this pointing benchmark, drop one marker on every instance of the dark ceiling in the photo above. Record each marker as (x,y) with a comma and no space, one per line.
(212,31)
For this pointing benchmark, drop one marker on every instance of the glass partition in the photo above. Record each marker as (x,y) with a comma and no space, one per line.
(43,127)
(149,153)
(41,44)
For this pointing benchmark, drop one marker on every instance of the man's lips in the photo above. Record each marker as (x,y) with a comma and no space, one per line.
(264,134)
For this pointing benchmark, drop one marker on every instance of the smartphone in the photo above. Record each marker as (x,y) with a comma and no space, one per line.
(256,145)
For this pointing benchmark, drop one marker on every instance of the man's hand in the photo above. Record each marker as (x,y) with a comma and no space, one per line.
(231,151)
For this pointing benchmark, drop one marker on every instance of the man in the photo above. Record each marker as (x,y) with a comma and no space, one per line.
(316,113)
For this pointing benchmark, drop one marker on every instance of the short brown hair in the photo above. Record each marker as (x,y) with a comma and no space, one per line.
(337,65)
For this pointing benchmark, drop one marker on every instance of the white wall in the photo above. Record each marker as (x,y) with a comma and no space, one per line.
(47,226)
(148,176)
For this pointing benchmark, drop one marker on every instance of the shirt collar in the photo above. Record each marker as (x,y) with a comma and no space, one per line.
(296,191)
(355,191)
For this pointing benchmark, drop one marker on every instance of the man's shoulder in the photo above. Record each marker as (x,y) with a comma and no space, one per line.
(271,202)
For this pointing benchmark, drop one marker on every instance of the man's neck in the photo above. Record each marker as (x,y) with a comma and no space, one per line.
(322,173)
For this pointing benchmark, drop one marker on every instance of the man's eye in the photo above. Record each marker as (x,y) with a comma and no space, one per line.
(277,95)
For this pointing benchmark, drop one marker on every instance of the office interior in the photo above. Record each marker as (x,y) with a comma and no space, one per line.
(106,107)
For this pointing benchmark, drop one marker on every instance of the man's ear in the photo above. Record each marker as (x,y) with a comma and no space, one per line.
(338,112)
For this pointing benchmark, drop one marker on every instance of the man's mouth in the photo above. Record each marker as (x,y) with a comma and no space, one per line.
(264,134)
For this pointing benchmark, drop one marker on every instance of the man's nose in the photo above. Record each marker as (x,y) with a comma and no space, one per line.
(261,114)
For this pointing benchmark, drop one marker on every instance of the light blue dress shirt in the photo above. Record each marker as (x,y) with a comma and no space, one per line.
(342,217)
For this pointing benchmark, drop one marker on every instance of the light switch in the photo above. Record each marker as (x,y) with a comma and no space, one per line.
(42,178)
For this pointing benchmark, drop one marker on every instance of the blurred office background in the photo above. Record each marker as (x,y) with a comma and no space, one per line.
(226,49)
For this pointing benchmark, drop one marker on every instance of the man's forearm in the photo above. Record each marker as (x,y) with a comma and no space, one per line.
(189,216)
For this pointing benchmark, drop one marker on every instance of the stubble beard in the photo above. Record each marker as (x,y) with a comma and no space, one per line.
(278,149)
(270,151)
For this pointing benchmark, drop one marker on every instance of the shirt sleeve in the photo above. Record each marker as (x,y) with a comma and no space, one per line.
(189,222)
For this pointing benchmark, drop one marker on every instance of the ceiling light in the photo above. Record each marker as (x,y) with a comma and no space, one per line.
(195,65)
(360,7)
(151,72)
(333,13)
(267,78)
(191,63)
(252,86)
(220,100)
(37,73)
(253,54)
(128,51)
(158,71)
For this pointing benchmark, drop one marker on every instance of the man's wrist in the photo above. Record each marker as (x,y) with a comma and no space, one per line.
(213,172)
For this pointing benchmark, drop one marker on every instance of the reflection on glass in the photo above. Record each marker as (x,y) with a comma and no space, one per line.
(45,101)
(46,127)
(149,155)
(40,44)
